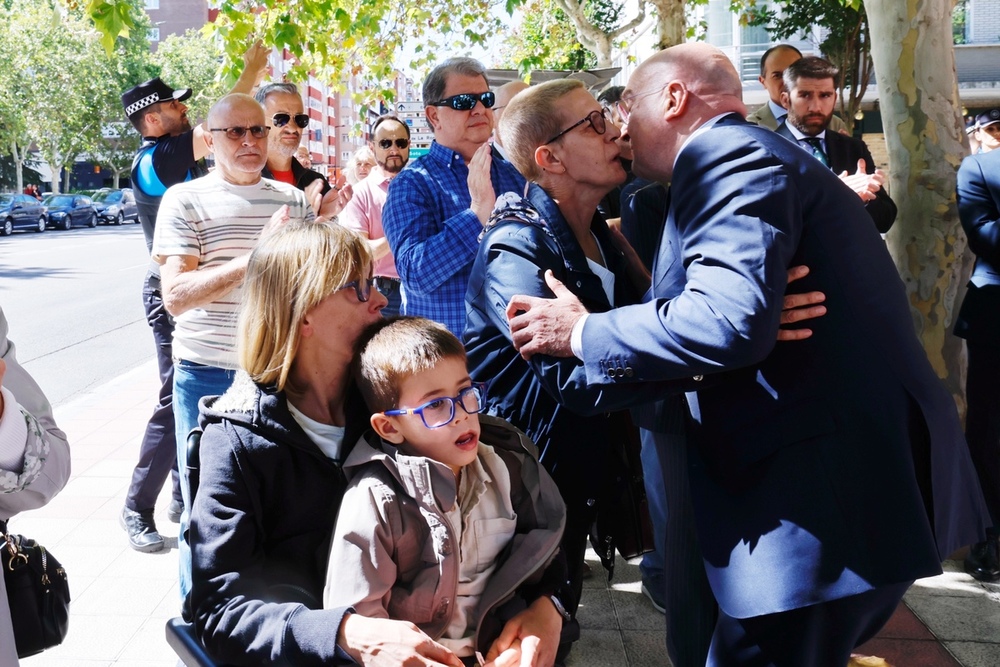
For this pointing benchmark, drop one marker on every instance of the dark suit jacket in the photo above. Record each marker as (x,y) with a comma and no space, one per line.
(979,210)
(803,468)
(844,153)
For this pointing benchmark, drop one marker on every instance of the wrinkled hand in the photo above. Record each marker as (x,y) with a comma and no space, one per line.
(380,642)
(534,632)
(544,326)
(336,199)
(799,307)
(314,194)
(863,184)
(480,185)
(255,60)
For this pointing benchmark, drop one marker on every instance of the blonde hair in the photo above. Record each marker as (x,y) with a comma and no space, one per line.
(289,273)
(531,117)
(392,350)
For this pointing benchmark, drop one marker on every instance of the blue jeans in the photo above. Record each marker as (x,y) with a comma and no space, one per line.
(192,382)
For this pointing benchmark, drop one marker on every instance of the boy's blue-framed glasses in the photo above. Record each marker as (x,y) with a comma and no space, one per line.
(441,411)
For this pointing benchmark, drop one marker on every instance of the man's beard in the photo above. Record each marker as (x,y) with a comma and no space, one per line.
(396,166)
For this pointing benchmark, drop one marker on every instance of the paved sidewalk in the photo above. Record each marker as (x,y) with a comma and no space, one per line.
(121,598)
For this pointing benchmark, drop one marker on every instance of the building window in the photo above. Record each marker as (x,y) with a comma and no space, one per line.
(152,4)
(154,34)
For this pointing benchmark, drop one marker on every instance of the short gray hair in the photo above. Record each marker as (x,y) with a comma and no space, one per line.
(274,88)
(533,116)
(437,80)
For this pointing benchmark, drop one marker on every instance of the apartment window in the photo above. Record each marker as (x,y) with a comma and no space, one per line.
(152,4)
(154,34)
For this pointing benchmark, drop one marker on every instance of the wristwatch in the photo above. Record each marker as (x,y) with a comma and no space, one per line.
(557,603)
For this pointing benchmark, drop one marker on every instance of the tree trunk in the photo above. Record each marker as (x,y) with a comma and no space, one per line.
(915,60)
(117,179)
(18,156)
(671,24)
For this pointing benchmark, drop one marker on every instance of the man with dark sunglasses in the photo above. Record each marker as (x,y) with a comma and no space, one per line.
(437,207)
(363,214)
(284,113)
(205,232)
(168,155)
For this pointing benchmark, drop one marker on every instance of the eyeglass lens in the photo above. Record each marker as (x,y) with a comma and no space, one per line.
(282,119)
(386,144)
(467,101)
(237,133)
(441,412)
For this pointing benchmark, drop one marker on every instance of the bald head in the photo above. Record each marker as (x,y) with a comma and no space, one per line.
(505,94)
(704,69)
(670,96)
(222,109)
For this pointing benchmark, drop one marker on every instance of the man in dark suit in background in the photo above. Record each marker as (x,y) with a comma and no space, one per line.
(810,95)
(979,324)
(826,475)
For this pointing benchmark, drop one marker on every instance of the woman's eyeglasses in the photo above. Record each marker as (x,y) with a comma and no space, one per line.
(386,144)
(237,133)
(441,411)
(362,288)
(467,101)
(282,119)
(597,119)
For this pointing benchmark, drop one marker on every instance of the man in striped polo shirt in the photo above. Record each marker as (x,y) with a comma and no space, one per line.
(205,230)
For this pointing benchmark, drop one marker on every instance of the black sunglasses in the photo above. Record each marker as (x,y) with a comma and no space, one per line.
(597,120)
(281,119)
(467,101)
(386,144)
(236,133)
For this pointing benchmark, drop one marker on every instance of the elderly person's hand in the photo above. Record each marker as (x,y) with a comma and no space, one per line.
(544,326)
(480,184)
(381,642)
(534,633)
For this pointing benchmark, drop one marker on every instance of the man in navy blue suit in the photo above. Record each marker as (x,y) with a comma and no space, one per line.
(979,324)
(826,475)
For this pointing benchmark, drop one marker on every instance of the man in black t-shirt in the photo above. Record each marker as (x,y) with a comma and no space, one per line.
(169,154)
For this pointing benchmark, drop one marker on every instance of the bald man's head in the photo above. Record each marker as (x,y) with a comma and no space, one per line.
(704,69)
(505,94)
(670,96)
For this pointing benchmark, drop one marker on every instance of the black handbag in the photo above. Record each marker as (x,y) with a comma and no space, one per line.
(37,592)
(622,521)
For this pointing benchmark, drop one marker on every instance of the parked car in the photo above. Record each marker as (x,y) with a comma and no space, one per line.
(116,206)
(64,211)
(20,211)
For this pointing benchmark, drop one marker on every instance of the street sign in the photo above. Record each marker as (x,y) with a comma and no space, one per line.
(409,107)
(422,137)
(417,152)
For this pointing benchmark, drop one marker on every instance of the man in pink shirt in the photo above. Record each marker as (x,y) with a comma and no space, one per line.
(363,214)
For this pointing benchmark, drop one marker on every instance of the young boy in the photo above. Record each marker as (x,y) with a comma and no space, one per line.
(449,521)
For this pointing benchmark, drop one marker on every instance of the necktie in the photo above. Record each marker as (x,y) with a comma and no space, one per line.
(817,150)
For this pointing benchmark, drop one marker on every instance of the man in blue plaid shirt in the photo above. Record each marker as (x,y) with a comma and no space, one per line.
(437,206)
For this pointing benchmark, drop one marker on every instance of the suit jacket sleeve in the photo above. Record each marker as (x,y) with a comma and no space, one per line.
(517,258)
(979,210)
(736,214)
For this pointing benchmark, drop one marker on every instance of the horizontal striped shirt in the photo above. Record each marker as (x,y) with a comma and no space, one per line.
(216,221)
